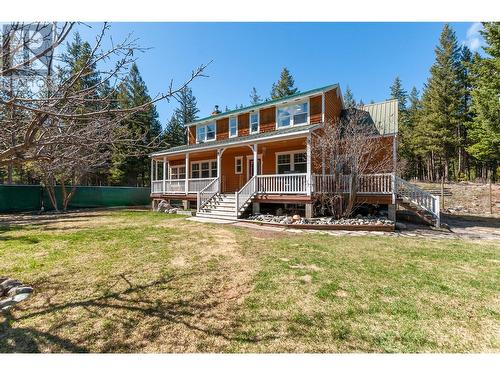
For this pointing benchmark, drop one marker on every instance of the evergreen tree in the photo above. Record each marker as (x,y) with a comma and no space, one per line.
(441,103)
(484,128)
(407,146)
(175,131)
(349,101)
(285,85)
(399,93)
(128,169)
(254,97)
(188,107)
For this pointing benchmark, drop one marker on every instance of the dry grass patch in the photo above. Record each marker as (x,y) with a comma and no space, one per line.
(133,281)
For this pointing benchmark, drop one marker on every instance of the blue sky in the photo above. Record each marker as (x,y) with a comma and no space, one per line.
(365,56)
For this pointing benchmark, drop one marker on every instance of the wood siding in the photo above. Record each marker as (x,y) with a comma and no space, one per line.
(267,119)
(222,129)
(243,122)
(316,110)
(333,105)
(192,135)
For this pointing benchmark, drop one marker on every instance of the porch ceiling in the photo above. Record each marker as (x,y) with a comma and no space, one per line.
(249,139)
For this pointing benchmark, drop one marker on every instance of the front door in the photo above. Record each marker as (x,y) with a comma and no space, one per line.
(251,166)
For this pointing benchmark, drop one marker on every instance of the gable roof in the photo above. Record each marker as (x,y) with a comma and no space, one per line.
(264,104)
(384,115)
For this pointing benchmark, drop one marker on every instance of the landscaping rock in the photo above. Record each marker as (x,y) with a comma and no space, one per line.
(163,206)
(359,220)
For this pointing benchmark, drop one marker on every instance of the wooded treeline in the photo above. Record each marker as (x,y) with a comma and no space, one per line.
(452,130)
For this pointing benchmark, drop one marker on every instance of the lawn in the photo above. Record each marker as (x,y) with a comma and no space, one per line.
(136,281)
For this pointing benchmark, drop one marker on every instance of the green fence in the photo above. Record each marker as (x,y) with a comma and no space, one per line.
(18,198)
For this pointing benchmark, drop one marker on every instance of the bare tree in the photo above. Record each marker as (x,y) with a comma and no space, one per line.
(59,107)
(344,150)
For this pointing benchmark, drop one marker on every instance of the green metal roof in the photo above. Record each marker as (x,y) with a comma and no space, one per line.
(264,104)
(229,141)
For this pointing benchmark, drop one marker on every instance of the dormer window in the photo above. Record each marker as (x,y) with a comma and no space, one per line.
(254,122)
(294,114)
(205,132)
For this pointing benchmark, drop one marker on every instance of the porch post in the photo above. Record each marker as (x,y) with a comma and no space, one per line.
(186,187)
(151,174)
(156,169)
(164,172)
(219,157)
(308,155)
(255,160)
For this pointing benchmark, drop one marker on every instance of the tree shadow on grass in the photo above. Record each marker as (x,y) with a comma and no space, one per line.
(127,308)
(16,340)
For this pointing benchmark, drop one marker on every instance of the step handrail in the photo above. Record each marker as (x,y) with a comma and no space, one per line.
(418,196)
(245,194)
(207,193)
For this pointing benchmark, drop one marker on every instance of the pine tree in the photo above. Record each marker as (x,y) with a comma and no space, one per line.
(407,146)
(175,131)
(484,128)
(128,169)
(188,107)
(254,97)
(349,101)
(399,93)
(441,102)
(285,85)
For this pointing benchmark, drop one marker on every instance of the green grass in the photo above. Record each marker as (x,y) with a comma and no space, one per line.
(136,281)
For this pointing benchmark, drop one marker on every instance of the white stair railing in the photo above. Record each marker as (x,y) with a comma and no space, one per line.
(245,194)
(207,193)
(419,197)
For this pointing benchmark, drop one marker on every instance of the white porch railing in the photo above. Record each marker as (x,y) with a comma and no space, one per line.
(178,186)
(282,183)
(245,194)
(207,193)
(377,183)
(197,184)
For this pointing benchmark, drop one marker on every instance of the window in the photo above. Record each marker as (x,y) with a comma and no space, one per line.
(204,169)
(233,126)
(178,173)
(295,114)
(205,132)
(293,162)
(254,122)
(238,165)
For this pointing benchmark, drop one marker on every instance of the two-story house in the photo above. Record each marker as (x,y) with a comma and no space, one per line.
(248,159)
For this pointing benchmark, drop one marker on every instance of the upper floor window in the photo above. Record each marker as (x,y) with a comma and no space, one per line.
(295,114)
(233,126)
(254,122)
(205,132)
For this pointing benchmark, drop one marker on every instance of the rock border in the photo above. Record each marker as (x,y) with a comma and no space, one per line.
(371,227)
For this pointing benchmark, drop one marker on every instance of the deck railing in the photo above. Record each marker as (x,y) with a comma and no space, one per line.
(178,186)
(377,183)
(282,183)
(207,193)
(197,184)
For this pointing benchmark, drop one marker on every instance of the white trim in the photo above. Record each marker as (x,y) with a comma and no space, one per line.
(295,102)
(266,105)
(205,124)
(229,127)
(291,153)
(297,134)
(250,157)
(177,166)
(250,122)
(199,170)
(240,158)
